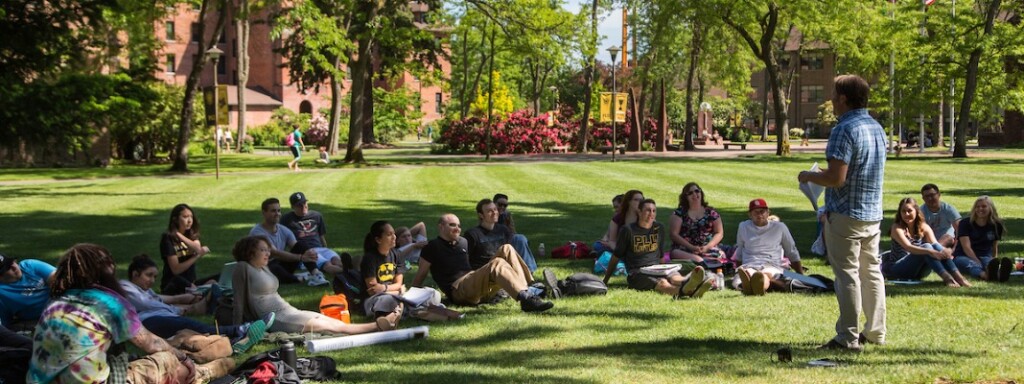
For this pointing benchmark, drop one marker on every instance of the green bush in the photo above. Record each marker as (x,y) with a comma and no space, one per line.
(273,132)
(396,114)
(796,132)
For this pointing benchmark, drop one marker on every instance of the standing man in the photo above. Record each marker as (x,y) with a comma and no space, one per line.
(942,217)
(24,289)
(282,262)
(446,259)
(853,212)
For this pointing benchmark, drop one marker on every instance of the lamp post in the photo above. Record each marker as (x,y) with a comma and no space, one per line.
(614,52)
(214,54)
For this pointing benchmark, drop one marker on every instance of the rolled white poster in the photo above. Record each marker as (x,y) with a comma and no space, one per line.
(345,342)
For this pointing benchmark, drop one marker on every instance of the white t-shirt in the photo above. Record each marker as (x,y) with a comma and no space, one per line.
(761,246)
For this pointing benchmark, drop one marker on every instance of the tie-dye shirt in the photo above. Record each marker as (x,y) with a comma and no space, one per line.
(76,331)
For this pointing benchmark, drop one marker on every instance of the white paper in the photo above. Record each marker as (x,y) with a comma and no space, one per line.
(811,190)
(660,269)
(417,296)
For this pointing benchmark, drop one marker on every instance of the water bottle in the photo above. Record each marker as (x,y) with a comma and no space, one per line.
(719,279)
(288,353)
(572,249)
(540,250)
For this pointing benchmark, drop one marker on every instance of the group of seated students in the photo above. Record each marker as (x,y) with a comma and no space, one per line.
(84,315)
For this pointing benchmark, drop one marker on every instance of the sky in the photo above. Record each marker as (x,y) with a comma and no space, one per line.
(609,27)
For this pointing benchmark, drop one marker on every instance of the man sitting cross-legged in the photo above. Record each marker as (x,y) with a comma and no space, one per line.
(760,245)
(641,244)
(447,260)
(282,262)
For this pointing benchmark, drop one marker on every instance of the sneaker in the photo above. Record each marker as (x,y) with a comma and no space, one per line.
(254,333)
(1005,267)
(992,270)
(837,346)
(551,285)
(317,279)
(757,284)
(535,304)
(745,282)
(862,339)
(691,285)
(703,288)
(498,297)
(268,319)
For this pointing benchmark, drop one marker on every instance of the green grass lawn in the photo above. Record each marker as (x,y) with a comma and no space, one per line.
(960,335)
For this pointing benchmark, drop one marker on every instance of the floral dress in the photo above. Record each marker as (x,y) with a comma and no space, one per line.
(698,232)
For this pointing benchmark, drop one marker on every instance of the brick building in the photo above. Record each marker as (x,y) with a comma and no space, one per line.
(268,87)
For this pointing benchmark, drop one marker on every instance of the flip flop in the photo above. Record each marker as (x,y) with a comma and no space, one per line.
(253,335)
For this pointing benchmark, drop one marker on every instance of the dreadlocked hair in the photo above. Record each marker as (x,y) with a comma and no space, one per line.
(85,266)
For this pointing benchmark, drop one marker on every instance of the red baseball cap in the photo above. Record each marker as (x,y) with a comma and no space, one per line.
(757,203)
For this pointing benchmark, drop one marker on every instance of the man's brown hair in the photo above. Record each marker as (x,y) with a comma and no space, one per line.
(854,88)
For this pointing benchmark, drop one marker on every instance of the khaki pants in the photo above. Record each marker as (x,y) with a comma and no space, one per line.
(853,253)
(505,271)
(158,368)
(201,348)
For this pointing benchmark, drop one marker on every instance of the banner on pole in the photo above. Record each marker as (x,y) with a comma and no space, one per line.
(607,107)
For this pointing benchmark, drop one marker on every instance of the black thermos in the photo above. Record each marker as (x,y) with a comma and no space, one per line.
(288,353)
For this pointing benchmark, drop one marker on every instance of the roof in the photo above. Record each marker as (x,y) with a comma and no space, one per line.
(252,97)
(796,38)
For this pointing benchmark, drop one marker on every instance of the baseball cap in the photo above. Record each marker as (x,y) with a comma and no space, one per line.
(757,203)
(5,263)
(297,198)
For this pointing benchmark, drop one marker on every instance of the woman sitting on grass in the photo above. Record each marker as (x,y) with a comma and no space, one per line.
(163,315)
(915,252)
(180,249)
(977,248)
(628,212)
(383,271)
(696,229)
(255,291)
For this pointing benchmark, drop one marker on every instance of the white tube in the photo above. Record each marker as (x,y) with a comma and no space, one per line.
(345,342)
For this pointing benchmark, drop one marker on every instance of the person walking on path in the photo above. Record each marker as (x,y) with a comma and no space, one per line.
(853,214)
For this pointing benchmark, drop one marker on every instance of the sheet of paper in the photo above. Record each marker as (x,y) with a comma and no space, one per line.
(417,296)
(811,190)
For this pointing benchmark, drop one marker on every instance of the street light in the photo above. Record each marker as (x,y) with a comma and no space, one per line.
(614,51)
(214,54)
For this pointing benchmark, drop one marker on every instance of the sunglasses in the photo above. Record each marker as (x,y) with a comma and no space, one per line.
(694,191)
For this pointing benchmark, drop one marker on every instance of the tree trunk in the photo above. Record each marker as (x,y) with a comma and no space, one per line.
(361,80)
(490,98)
(662,120)
(192,83)
(588,79)
(781,115)
(694,62)
(971,83)
(463,98)
(243,69)
(368,134)
(334,124)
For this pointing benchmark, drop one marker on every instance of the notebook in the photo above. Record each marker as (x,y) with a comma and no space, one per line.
(660,269)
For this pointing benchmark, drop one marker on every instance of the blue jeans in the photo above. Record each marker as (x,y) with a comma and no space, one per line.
(917,267)
(167,326)
(522,247)
(967,265)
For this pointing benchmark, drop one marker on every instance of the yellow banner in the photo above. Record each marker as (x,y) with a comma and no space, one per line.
(606,107)
(216,105)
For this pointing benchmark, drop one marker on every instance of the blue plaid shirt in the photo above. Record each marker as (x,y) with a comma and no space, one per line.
(859,141)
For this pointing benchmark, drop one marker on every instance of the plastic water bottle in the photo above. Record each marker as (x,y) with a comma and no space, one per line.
(719,279)
(540,250)
(572,249)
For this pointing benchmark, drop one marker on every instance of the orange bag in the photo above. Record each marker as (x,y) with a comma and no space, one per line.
(335,306)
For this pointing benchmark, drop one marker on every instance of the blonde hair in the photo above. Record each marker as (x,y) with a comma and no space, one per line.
(993,216)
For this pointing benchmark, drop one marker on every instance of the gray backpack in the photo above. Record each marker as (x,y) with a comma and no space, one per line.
(582,284)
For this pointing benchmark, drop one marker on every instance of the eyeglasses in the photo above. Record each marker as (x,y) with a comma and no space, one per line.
(263,249)
(694,191)
(454,225)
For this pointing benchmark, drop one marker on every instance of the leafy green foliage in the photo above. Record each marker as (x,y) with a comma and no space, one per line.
(396,113)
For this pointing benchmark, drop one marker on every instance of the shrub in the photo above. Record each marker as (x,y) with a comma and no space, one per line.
(796,132)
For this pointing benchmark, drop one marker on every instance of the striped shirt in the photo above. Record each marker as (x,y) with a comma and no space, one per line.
(859,141)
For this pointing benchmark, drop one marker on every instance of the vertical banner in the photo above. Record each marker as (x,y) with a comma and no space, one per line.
(216,106)
(606,107)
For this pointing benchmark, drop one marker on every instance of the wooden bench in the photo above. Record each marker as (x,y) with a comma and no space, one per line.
(559,149)
(605,148)
(743,146)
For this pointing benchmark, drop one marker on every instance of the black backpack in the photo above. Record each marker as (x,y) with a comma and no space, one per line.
(317,368)
(582,284)
(352,285)
(15,366)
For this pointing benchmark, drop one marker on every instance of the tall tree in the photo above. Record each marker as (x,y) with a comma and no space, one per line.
(208,8)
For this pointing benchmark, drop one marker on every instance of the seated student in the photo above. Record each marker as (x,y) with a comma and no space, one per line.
(977,249)
(641,244)
(519,241)
(761,244)
(485,239)
(164,315)
(180,249)
(696,228)
(625,213)
(598,245)
(324,156)
(255,295)
(410,241)
(24,289)
(282,262)
(942,217)
(82,334)
(915,249)
(310,234)
(383,270)
(446,259)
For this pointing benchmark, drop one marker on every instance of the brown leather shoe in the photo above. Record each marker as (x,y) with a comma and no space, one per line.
(390,321)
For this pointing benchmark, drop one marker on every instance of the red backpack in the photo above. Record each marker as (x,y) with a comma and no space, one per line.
(566,251)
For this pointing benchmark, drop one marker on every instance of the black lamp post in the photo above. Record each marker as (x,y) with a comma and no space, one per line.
(614,51)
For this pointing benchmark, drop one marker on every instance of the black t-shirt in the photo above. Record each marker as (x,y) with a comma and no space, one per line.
(639,247)
(982,237)
(383,268)
(307,230)
(448,261)
(483,244)
(172,246)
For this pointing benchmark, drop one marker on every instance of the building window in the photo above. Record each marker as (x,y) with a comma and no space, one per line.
(814,94)
(170,64)
(812,62)
(437,102)
(195,32)
(169,29)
